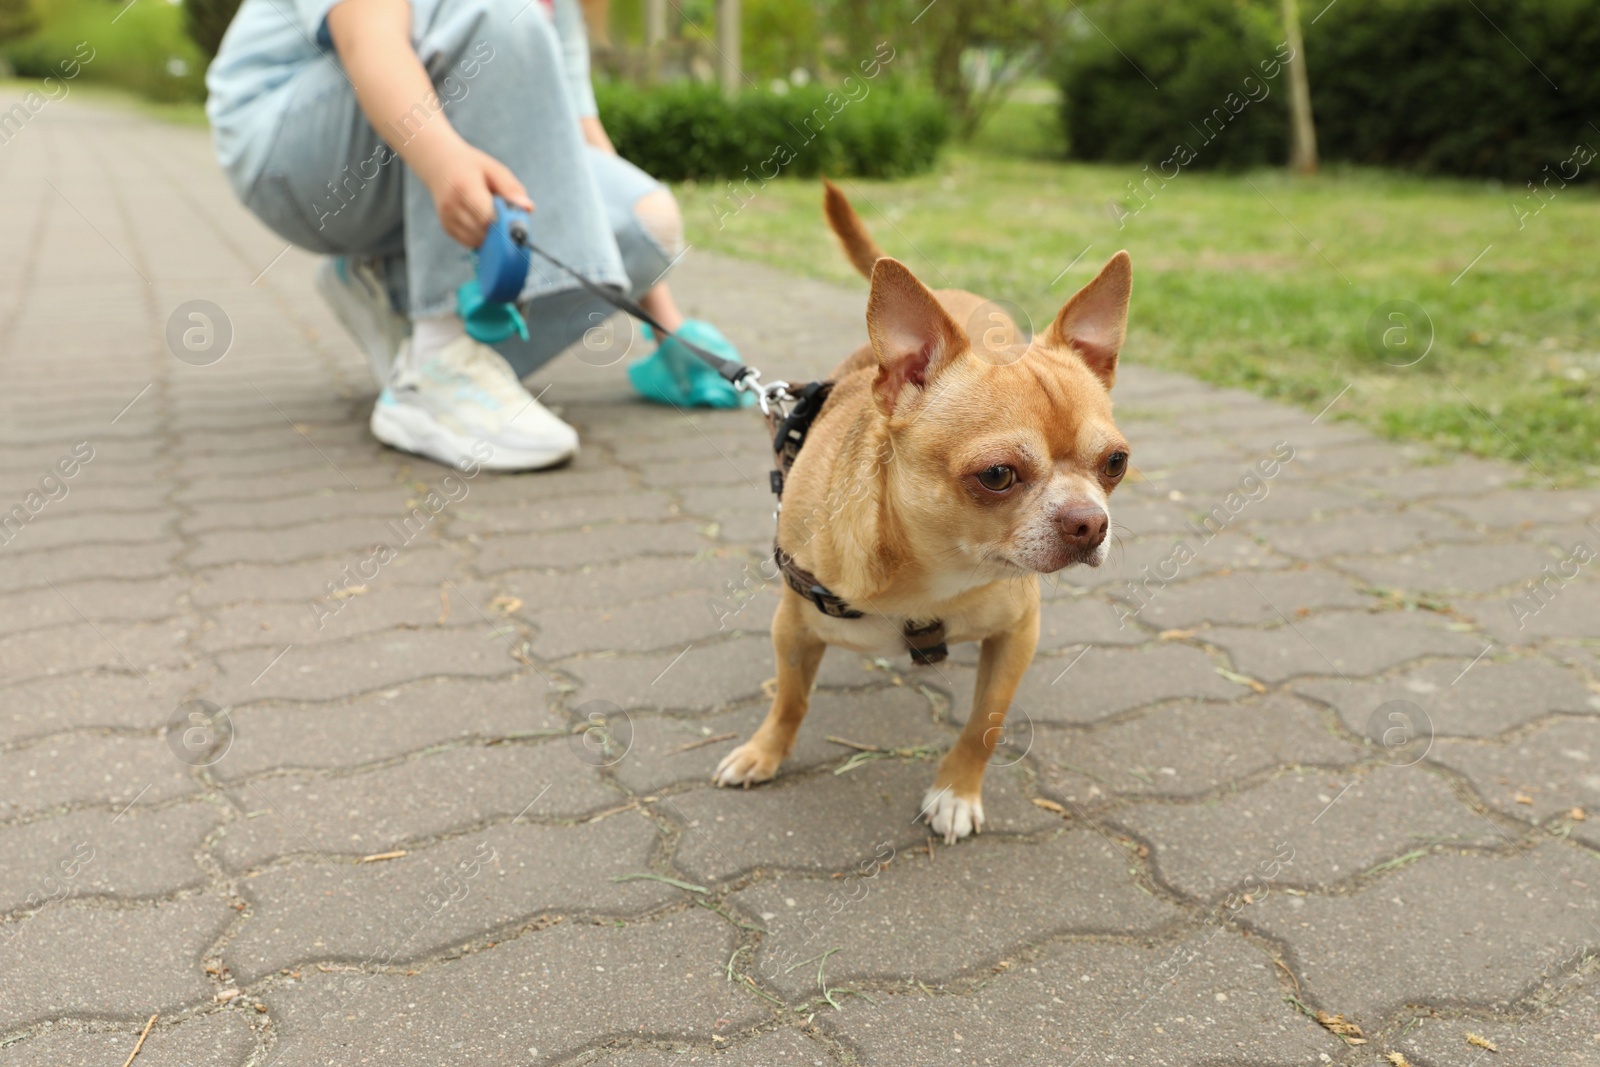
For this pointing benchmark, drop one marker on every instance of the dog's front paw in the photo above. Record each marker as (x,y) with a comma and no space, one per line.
(952,817)
(748,764)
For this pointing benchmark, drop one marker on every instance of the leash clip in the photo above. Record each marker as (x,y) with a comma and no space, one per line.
(770,396)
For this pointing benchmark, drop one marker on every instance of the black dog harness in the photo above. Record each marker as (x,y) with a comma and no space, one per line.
(924,641)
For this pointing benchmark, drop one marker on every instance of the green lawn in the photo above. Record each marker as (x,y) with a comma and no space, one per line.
(1260,280)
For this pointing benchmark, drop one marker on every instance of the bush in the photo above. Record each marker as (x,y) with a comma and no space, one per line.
(148,53)
(1206,57)
(205,21)
(1429,85)
(1432,85)
(688,131)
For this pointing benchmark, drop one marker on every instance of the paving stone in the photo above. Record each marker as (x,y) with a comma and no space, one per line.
(1546,774)
(49,530)
(1208,998)
(110,962)
(143,600)
(1455,568)
(541,514)
(1145,561)
(1459,475)
(273,623)
(99,699)
(77,563)
(1184,750)
(385,724)
(672,623)
(1474,929)
(280,460)
(1307,827)
(84,646)
(1350,644)
(1159,452)
(379,504)
(381,810)
(730,580)
(141,853)
(1144,516)
(344,668)
(400,910)
(1515,508)
(315,475)
(1401,531)
(1526,615)
(1241,599)
(592,983)
(1461,698)
(587,476)
(1284,503)
(112,496)
(588,546)
(107,772)
(774,1048)
(1330,463)
(933,919)
(749,469)
(336,537)
(890,717)
(221,1039)
(1100,683)
(1074,623)
(1561,1034)
(701,677)
(829,822)
(418,565)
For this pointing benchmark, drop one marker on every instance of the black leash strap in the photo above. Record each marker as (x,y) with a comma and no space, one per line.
(732,372)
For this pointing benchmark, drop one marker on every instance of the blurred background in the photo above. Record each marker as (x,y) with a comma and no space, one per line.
(1381,207)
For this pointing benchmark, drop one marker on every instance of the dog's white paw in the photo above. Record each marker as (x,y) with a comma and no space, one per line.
(746,765)
(952,817)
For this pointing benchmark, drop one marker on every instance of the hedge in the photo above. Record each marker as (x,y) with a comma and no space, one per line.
(1167,82)
(1433,86)
(1428,85)
(688,131)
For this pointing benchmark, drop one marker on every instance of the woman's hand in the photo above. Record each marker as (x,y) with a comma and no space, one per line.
(464,183)
(373,39)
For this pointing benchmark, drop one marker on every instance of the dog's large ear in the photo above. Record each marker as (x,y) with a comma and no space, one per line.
(1094,321)
(912,336)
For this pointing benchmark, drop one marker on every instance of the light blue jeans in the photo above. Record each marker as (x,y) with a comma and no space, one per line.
(331,184)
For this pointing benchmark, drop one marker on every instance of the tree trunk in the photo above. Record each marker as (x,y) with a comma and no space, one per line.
(729,71)
(1303,134)
(655,38)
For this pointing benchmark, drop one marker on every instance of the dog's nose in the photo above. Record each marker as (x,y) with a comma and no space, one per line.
(1083,525)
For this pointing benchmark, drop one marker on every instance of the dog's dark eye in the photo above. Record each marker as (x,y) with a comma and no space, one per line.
(1116,464)
(997,479)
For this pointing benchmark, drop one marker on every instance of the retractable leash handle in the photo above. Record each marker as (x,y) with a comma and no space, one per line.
(488,303)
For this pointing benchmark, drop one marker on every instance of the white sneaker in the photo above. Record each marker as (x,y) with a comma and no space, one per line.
(356,296)
(464,399)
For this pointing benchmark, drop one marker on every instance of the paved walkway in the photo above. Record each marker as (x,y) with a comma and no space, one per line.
(402,846)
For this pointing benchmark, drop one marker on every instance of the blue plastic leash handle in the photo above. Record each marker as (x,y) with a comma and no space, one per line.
(503,257)
(488,303)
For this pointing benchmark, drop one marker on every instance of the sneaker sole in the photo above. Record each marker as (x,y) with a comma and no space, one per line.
(411,430)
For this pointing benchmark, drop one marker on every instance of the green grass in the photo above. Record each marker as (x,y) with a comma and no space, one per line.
(1228,286)
(145,51)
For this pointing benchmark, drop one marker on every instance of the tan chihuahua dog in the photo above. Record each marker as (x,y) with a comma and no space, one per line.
(938,482)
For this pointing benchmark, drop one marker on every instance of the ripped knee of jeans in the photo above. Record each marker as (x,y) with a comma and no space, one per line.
(657,214)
